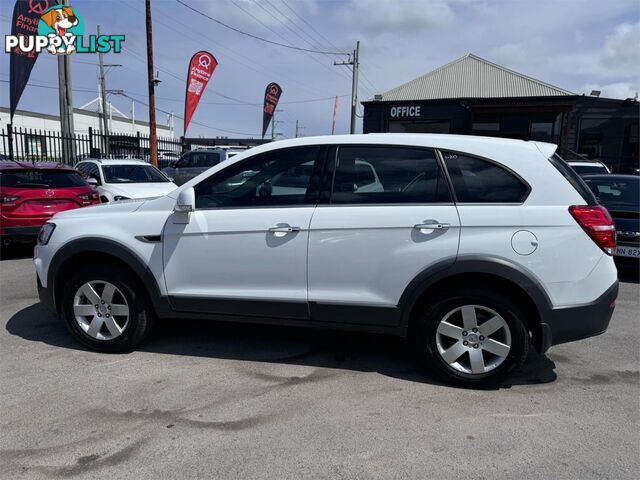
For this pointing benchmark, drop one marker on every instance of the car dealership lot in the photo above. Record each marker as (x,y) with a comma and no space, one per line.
(237,401)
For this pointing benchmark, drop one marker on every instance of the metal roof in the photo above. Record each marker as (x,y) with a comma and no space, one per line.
(472,77)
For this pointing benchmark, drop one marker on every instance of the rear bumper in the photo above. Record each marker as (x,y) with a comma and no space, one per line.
(568,324)
(18,234)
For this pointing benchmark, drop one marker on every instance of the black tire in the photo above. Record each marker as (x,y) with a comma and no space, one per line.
(425,334)
(141,318)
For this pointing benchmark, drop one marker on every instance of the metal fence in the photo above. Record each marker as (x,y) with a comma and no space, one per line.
(40,146)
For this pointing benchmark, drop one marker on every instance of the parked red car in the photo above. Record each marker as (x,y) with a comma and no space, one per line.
(30,194)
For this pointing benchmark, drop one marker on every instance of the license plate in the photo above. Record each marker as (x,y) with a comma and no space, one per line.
(627,252)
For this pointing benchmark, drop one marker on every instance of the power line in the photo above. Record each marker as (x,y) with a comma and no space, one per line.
(292,102)
(233,55)
(309,25)
(293,47)
(51,87)
(278,34)
(182,118)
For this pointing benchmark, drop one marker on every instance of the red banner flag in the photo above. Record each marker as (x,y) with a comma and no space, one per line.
(201,68)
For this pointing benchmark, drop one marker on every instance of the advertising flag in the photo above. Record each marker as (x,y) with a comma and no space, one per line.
(26,15)
(271,97)
(201,69)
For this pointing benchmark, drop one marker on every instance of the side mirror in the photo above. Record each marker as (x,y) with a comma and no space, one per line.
(186,201)
(92,181)
(173,164)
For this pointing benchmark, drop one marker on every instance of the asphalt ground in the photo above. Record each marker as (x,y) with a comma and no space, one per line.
(217,401)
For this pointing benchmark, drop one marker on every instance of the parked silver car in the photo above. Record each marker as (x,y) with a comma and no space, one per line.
(193,163)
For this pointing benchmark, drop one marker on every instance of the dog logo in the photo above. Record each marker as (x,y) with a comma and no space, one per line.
(60,31)
(61,24)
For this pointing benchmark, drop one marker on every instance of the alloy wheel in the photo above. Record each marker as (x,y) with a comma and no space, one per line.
(101,310)
(473,339)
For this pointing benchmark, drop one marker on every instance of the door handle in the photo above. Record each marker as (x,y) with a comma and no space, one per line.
(284,228)
(432,226)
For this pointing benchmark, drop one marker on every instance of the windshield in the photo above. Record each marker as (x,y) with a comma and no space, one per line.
(132,174)
(616,193)
(41,179)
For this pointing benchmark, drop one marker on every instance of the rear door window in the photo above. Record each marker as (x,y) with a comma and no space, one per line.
(476,180)
(387,175)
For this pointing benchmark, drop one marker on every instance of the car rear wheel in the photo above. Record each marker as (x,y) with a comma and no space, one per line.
(105,308)
(472,337)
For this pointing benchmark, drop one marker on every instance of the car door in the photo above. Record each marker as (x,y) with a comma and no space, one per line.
(244,250)
(180,168)
(199,162)
(367,244)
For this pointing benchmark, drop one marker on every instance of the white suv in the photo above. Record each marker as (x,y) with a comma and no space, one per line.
(473,249)
(118,180)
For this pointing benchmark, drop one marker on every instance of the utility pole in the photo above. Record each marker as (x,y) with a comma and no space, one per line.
(273,125)
(103,103)
(66,106)
(354,61)
(299,129)
(153,137)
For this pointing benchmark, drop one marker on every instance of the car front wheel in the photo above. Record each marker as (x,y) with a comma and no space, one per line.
(106,309)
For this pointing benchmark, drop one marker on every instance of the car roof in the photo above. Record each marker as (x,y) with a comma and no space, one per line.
(108,161)
(463,143)
(22,165)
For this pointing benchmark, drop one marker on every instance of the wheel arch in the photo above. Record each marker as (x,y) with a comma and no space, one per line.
(78,252)
(496,272)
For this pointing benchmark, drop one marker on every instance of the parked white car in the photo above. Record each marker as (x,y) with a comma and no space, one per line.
(473,249)
(588,167)
(125,179)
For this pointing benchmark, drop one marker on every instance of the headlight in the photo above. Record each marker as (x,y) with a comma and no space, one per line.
(120,197)
(45,233)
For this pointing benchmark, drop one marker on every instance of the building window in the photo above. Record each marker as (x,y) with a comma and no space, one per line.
(35,146)
(590,143)
(541,131)
(486,124)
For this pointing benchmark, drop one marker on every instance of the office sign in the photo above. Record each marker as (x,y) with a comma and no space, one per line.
(405,111)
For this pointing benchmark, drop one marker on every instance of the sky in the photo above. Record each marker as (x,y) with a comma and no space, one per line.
(579,45)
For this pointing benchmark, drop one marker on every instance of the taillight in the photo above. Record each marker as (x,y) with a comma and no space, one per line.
(86,197)
(7,198)
(597,223)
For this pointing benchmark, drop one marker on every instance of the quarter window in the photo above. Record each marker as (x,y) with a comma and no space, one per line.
(279,178)
(480,181)
(388,175)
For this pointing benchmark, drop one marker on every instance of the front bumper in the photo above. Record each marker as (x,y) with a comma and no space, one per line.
(46,296)
(568,324)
